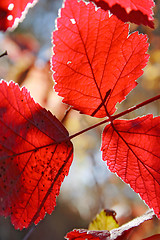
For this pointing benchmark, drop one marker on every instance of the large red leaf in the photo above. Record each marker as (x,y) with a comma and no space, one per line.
(95,62)
(131,149)
(139,12)
(120,233)
(33,157)
(13,11)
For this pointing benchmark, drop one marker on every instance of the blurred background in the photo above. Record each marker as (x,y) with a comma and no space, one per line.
(90,186)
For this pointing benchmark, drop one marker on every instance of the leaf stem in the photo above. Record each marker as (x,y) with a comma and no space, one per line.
(111,119)
(136,107)
(116,116)
(89,128)
(29,232)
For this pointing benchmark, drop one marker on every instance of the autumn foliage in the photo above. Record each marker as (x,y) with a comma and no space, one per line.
(139,12)
(34,157)
(95,64)
(96,61)
(12,12)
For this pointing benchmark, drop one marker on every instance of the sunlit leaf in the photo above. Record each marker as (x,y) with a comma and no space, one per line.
(35,156)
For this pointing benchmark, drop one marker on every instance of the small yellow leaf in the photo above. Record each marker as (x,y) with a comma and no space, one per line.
(105,220)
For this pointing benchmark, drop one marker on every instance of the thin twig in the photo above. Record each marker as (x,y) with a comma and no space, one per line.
(66,115)
(4,54)
(29,232)
(116,116)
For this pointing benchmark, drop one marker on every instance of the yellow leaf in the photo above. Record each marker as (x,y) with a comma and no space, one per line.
(105,220)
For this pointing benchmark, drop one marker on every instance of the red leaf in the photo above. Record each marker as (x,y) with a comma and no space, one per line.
(95,62)
(34,157)
(120,233)
(13,11)
(79,234)
(139,12)
(131,149)
(154,237)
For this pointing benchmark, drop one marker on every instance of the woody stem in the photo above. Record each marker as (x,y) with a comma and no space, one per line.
(117,116)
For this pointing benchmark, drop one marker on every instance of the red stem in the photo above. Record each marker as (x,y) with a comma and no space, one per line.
(117,116)
(136,107)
